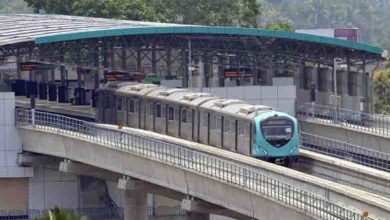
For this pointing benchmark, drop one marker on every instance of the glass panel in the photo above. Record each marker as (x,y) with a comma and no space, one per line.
(119,104)
(107,104)
(277,131)
(184,115)
(171,113)
(151,109)
(205,119)
(158,111)
(226,125)
(131,106)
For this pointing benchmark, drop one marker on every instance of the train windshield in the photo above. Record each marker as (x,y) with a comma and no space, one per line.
(277,131)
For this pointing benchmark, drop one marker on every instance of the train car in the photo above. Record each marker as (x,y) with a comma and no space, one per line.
(254,130)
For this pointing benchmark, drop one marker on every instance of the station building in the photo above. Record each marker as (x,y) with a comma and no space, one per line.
(66,58)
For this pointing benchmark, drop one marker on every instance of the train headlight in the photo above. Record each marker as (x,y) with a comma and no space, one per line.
(264,151)
(293,149)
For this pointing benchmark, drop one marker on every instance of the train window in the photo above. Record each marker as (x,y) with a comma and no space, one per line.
(119,104)
(107,103)
(176,114)
(131,105)
(136,105)
(226,125)
(240,128)
(151,108)
(219,122)
(205,119)
(171,113)
(163,111)
(188,116)
(184,115)
(247,128)
(212,122)
(158,111)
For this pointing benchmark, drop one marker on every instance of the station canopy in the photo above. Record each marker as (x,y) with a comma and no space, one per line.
(30,30)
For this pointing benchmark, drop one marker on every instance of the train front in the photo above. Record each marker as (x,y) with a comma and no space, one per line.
(277,137)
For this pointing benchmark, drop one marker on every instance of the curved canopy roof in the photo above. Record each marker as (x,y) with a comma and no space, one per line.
(21,28)
(54,28)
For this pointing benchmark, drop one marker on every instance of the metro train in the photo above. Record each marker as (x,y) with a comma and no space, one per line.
(254,130)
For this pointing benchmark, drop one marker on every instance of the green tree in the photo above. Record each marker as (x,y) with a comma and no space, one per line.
(61,214)
(382,89)
(280,26)
(243,13)
(14,6)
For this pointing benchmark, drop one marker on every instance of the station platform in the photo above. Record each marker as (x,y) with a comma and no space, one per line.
(85,112)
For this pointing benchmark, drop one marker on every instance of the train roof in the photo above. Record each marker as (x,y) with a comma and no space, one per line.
(181,96)
(142,89)
(186,97)
(235,107)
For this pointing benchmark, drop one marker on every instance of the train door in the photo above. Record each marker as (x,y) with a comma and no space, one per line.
(160,118)
(243,137)
(173,121)
(186,123)
(107,109)
(215,136)
(203,124)
(229,133)
(140,112)
(149,122)
(120,113)
(193,127)
(133,112)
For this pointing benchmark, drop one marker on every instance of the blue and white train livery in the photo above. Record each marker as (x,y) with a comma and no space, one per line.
(254,130)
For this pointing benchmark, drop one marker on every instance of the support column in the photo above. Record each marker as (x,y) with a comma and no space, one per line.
(169,61)
(139,60)
(255,76)
(154,59)
(184,68)
(349,79)
(124,59)
(18,70)
(135,204)
(221,73)
(206,69)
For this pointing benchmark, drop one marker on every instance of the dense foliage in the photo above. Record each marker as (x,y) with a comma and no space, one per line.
(382,90)
(14,6)
(370,16)
(217,12)
(61,214)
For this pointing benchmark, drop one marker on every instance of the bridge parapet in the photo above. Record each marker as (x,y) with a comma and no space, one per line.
(372,123)
(224,171)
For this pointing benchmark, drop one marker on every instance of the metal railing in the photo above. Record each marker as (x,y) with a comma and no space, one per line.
(214,167)
(346,151)
(94,213)
(378,124)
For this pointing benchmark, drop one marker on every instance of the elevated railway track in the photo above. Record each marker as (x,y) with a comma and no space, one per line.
(323,198)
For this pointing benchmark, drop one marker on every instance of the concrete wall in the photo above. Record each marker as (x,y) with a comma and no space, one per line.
(362,138)
(10,143)
(13,194)
(49,188)
(280,97)
(23,188)
(13,179)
